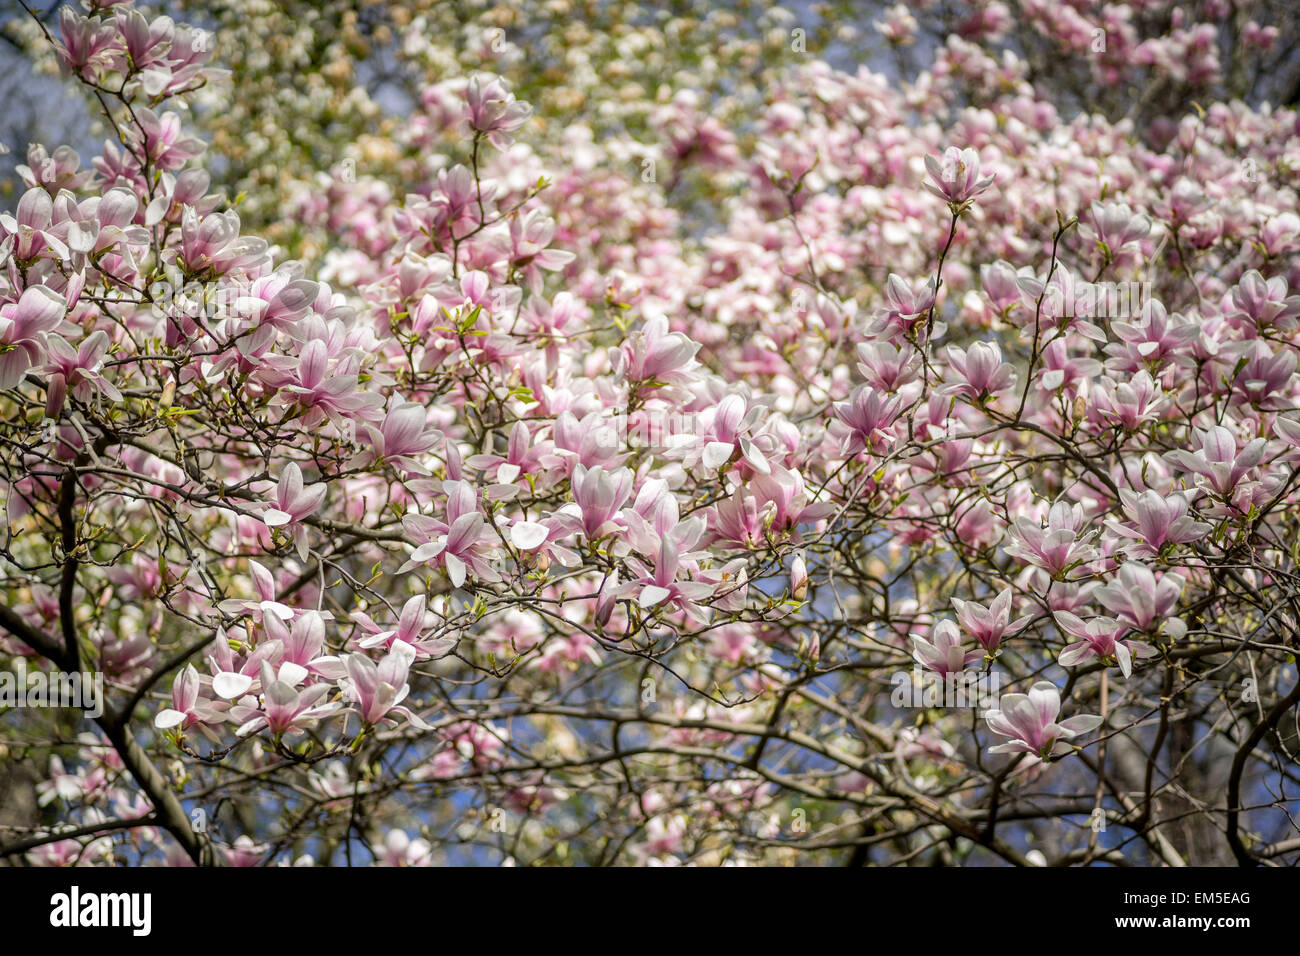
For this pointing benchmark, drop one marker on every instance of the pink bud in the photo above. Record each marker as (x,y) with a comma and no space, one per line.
(798,578)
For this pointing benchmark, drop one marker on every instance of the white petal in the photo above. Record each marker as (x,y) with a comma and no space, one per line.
(527,535)
(282,611)
(274,517)
(456,570)
(652,594)
(255,724)
(168,718)
(716,454)
(229,685)
(291,673)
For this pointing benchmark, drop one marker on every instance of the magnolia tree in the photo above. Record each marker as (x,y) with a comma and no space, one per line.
(897,469)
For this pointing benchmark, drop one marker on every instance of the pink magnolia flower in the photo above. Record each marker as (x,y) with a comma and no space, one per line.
(1149,341)
(589,441)
(1264,379)
(32,229)
(863,422)
(1129,404)
(1115,225)
(163,140)
(667,584)
(607,598)
(293,502)
(86,43)
(956,177)
(62,170)
(905,307)
(653,354)
(462,544)
(492,109)
(283,707)
(1219,461)
(1156,522)
(76,371)
(522,456)
(314,386)
(148,45)
(1138,599)
(1101,640)
(1058,369)
(726,428)
(555,320)
(412,625)
(887,367)
(1278,235)
(301,648)
(244,852)
(377,690)
(212,243)
(1001,283)
(267,603)
(235,674)
(598,496)
(979,371)
(1030,721)
(1265,303)
(742,519)
(1287,429)
(529,255)
(22,326)
(798,578)
(188,708)
(404,434)
(944,653)
(1056,546)
(400,850)
(989,625)
(793,504)
(280,301)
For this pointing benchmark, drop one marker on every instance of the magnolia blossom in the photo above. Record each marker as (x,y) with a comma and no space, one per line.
(1115,225)
(1156,521)
(1218,460)
(979,371)
(864,421)
(1101,639)
(282,705)
(1030,721)
(188,708)
(956,176)
(461,544)
(655,355)
(377,690)
(944,653)
(492,109)
(1057,546)
(989,625)
(623,463)
(412,626)
(293,502)
(22,343)
(1140,600)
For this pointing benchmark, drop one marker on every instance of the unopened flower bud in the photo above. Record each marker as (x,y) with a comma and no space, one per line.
(605,600)
(799,578)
